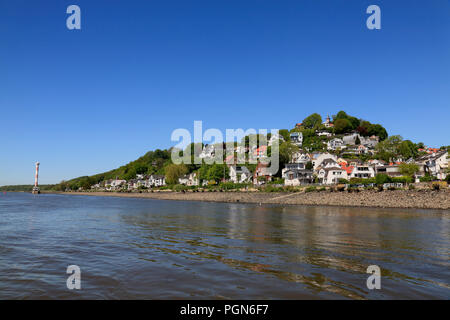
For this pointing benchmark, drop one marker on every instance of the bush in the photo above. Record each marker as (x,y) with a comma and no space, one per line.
(179,187)
(310,189)
(381,179)
(411,187)
(426,179)
(438,185)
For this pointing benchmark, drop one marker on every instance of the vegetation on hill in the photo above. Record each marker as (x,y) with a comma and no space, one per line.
(159,161)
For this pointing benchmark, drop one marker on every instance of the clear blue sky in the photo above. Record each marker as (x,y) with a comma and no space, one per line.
(87,101)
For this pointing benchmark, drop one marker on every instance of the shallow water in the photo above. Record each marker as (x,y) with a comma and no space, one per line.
(155,249)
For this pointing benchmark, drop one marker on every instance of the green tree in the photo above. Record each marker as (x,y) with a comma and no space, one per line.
(174,171)
(342,126)
(285,134)
(389,148)
(408,169)
(286,151)
(217,172)
(312,121)
(378,130)
(382,179)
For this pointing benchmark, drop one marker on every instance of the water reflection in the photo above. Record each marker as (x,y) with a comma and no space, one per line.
(136,248)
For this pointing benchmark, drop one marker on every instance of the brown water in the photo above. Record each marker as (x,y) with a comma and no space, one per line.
(153,249)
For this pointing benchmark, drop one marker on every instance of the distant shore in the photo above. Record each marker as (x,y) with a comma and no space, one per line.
(423,199)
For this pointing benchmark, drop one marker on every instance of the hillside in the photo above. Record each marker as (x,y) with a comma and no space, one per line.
(316,135)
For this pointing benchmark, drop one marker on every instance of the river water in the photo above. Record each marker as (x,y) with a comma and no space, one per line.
(155,249)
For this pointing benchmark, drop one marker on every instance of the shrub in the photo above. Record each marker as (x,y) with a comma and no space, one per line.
(411,187)
(381,179)
(310,189)
(426,179)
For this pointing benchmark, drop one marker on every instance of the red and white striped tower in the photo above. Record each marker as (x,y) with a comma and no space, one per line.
(36,177)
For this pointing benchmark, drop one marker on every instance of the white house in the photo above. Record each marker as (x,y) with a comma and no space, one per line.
(116,184)
(189,179)
(362,171)
(435,164)
(300,157)
(239,174)
(297,138)
(335,143)
(156,180)
(331,174)
(208,152)
(274,137)
(318,158)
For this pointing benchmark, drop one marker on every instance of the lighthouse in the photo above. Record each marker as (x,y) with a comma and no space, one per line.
(36,177)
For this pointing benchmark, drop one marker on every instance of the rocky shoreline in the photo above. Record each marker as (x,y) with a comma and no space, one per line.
(418,199)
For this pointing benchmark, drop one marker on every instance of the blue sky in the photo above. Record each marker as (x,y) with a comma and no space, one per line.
(86,101)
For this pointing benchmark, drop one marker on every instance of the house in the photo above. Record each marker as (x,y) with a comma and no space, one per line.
(239,174)
(335,144)
(362,149)
(296,174)
(318,158)
(435,164)
(300,157)
(362,171)
(298,125)
(351,139)
(327,123)
(392,170)
(346,167)
(156,180)
(208,152)
(262,174)
(260,152)
(376,163)
(275,137)
(189,179)
(329,171)
(323,133)
(297,138)
(331,174)
(116,184)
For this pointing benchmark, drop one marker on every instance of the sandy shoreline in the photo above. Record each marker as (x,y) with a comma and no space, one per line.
(425,199)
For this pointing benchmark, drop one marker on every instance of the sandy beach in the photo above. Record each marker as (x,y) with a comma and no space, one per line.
(423,199)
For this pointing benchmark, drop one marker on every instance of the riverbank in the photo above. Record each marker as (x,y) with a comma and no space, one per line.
(423,199)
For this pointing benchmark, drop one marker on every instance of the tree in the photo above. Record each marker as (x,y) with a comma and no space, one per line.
(312,121)
(342,126)
(286,151)
(174,172)
(357,141)
(217,172)
(408,169)
(389,148)
(284,133)
(382,179)
(378,130)
(407,149)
